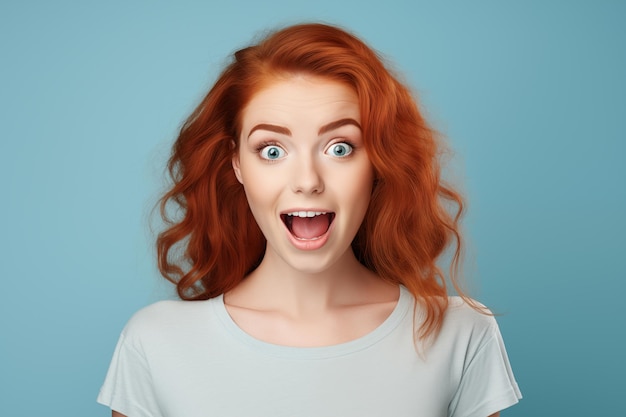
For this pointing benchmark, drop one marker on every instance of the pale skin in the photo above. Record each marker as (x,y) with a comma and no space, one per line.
(305,297)
(301,149)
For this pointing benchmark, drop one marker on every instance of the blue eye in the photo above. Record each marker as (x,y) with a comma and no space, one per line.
(272,152)
(340,149)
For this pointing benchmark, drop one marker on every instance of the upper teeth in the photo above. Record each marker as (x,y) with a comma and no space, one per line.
(306,213)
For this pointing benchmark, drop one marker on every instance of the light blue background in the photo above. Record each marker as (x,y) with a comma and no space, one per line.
(531,95)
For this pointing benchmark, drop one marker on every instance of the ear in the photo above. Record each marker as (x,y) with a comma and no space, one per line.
(236,168)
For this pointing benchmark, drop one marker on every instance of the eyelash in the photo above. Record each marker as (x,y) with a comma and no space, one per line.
(263,145)
(349,143)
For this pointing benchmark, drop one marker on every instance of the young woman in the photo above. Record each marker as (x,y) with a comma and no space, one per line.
(311,215)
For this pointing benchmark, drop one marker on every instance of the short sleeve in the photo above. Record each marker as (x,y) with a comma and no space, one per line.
(128,385)
(487,384)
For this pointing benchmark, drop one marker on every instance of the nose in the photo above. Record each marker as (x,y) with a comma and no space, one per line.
(306,176)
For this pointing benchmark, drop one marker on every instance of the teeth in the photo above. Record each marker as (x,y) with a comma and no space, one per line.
(306,213)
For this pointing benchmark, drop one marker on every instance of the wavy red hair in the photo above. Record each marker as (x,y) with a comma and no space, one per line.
(407,226)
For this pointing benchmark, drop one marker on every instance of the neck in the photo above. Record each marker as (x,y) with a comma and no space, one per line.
(277,285)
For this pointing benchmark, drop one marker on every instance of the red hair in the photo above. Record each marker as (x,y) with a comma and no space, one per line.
(407,226)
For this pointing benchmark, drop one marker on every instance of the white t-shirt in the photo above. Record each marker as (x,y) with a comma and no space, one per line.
(190,359)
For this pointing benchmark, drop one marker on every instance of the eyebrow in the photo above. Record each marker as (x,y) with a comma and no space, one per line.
(324,129)
(337,124)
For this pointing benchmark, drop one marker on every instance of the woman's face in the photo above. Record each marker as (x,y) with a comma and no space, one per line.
(304,169)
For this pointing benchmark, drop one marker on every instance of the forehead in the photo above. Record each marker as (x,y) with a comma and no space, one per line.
(297,99)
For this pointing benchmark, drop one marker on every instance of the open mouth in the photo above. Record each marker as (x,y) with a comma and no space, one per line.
(308,225)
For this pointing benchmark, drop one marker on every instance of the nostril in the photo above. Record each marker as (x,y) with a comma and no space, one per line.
(306,179)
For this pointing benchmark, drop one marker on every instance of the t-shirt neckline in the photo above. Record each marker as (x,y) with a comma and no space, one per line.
(321,352)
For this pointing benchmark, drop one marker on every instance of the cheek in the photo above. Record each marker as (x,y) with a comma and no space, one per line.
(365,180)
(249,177)
(358,189)
(262,192)
(258,206)
(254,193)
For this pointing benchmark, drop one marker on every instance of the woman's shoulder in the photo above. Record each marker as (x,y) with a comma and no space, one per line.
(468,312)
(168,318)
(469,309)
(468,319)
